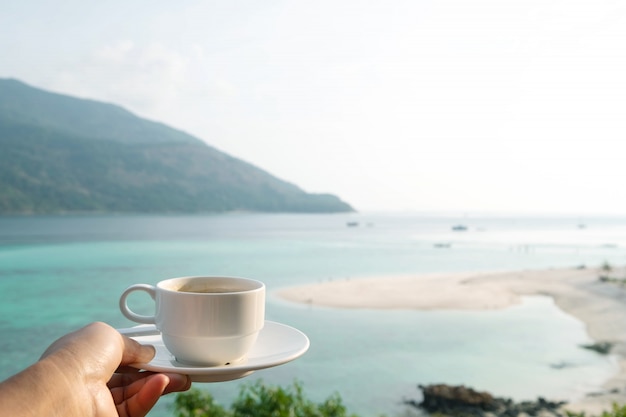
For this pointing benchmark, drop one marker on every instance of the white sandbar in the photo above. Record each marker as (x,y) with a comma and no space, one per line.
(579,292)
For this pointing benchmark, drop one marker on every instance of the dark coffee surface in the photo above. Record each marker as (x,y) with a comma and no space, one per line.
(207,288)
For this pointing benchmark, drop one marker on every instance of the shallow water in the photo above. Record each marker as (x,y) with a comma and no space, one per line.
(58,273)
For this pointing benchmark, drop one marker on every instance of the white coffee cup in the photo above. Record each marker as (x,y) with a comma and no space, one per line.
(205,321)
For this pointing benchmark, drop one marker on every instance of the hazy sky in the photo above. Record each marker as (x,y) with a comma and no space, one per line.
(452,105)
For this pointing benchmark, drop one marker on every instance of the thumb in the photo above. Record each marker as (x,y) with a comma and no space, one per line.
(135,352)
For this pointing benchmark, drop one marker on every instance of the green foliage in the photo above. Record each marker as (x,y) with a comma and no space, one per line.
(196,403)
(260,400)
(618,411)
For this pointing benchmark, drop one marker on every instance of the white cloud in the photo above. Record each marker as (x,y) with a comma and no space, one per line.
(142,78)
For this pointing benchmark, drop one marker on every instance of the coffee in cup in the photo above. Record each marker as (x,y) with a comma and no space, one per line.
(204,321)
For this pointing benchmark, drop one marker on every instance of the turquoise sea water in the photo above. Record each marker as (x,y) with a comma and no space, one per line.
(58,273)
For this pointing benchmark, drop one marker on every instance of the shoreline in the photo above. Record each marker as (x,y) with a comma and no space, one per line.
(601,306)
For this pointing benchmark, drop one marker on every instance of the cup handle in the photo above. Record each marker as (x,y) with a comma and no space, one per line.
(131,315)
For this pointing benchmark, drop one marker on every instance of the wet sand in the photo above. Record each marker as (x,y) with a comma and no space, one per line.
(579,292)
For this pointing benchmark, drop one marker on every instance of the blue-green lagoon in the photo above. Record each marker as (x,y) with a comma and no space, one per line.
(60,272)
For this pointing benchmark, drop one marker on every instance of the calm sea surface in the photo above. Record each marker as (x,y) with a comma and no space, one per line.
(59,273)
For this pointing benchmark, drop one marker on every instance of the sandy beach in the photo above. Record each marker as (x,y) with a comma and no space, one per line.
(579,292)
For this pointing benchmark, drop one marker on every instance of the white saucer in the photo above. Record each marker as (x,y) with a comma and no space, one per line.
(277,344)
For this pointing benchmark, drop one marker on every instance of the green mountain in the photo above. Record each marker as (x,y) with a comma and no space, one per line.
(63,154)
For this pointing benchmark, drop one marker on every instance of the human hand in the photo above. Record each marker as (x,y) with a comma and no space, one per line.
(89,358)
(85,374)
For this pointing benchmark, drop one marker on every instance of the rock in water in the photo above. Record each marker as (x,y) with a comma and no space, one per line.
(461,401)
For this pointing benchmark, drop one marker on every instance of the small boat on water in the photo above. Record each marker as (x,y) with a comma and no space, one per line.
(352,224)
(459,228)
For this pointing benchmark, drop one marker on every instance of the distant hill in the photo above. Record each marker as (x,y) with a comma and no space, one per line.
(62,154)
